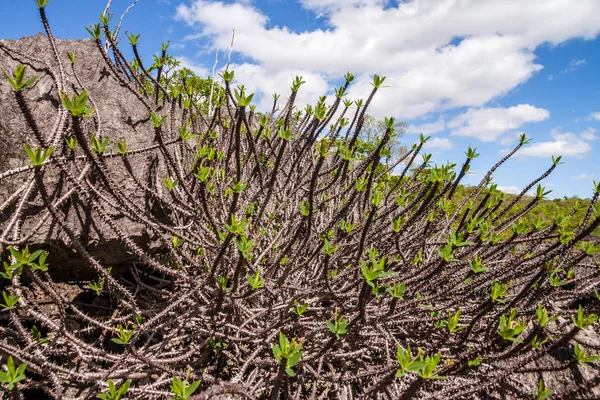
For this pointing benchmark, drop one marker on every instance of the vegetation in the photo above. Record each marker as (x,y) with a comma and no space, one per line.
(297,258)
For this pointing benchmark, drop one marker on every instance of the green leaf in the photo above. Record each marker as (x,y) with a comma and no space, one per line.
(192,388)
(95,32)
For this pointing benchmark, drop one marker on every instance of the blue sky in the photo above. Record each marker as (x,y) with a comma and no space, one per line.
(469,73)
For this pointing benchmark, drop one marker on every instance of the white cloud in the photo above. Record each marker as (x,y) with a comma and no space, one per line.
(582,177)
(258,79)
(563,144)
(428,128)
(509,138)
(488,124)
(439,144)
(414,43)
(177,46)
(588,134)
(573,65)
(509,189)
(595,116)
(198,69)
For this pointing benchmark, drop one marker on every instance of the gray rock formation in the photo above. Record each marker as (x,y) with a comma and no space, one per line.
(121,117)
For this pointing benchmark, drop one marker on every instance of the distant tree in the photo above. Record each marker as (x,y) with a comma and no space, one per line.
(371,134)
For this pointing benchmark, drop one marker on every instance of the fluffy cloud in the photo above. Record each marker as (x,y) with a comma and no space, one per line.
(428,128)
(582,177)
(509,189)
(438,144)
(199,70)
(437,55)
(573,65)
(595,116)
(563,144)
(488,124)
(258,79)
(588,134)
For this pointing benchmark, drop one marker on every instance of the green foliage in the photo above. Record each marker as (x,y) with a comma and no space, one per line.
(114,393)
(407,362)
(541,392)
(329,248)
(498,292)
(181,389)
(476,265)
(454,242)
(299,309)
(338,325)
(98,285)
(170,183)
(425,367)
(37,335)
(378,81)
(133,38)
(331,208)
(556,161)
(185,134)
(227,76)
(121,147)
(95,31)
(582,357)
(237,227)
(431,363)
(298,81)
(24,259)
(472,153)
(105,18)
(373,270)
(537,343)
(290,351)
(397,290)
(124,334)
(241,98)
(285,134)
(475,362)
(157,121)
(17,81)
(582,321)
(304,209)
(216,346)
(452,322)
(223,282)
(542,315)
(77,107)
(13,375)
(509,328)
(99,146)
(255,281)
(398,222)
(39,156)
(245,247)
(71,142)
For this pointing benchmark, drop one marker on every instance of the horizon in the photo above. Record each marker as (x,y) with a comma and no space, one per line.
(496,73)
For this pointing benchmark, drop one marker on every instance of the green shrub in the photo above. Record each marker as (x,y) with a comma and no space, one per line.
(283,224)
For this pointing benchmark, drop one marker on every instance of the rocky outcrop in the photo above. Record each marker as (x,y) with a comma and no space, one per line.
(121,116)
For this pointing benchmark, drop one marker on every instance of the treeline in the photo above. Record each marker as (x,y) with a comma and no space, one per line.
(567,211)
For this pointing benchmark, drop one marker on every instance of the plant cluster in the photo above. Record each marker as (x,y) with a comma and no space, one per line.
(350,260)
